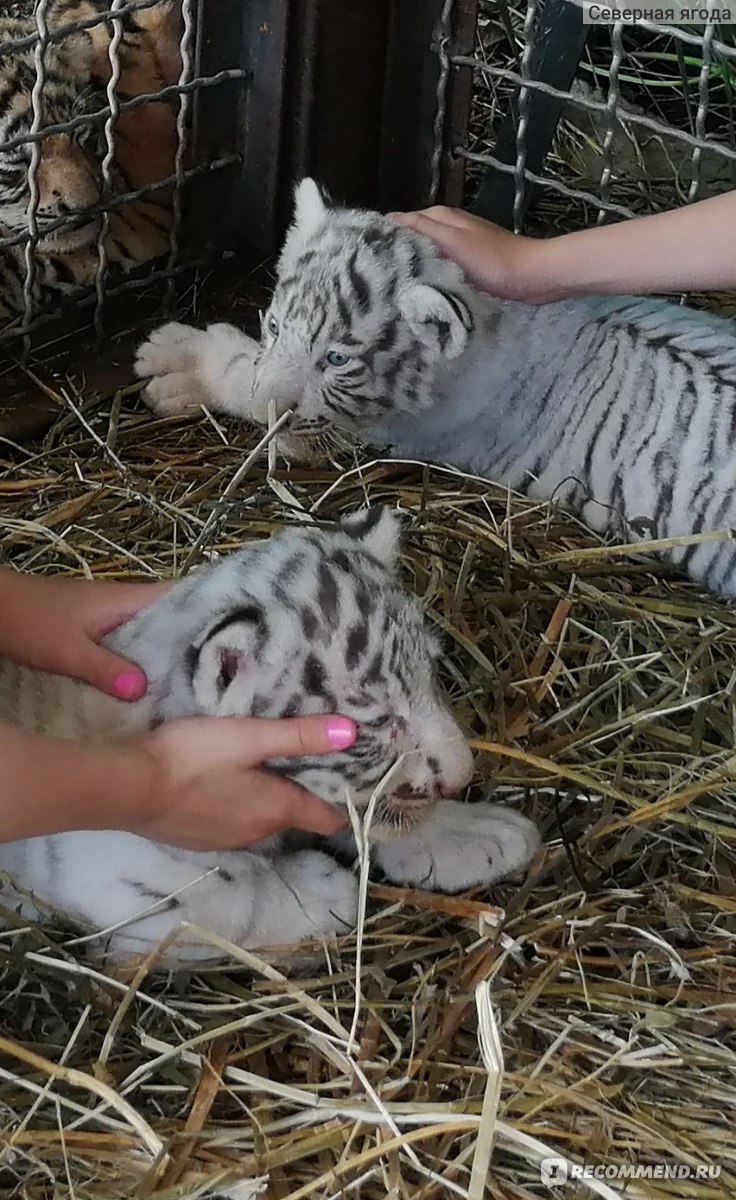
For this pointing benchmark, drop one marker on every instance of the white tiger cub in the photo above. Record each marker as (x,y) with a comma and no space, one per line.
(308,622)
(622,409)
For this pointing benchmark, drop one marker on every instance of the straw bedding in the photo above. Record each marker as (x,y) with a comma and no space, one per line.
(453,1042)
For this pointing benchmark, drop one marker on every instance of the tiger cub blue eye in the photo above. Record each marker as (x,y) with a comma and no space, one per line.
(336,359)
(272,325)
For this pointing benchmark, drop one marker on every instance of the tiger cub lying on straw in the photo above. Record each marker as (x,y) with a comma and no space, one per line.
(621,409)
(69,180)
(307,622)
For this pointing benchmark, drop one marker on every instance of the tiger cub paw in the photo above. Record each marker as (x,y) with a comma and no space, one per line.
(169,361)
(460,846)
(186,368)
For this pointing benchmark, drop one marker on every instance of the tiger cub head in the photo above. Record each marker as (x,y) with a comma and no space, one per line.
(365,316)
(68,176)
(314,621)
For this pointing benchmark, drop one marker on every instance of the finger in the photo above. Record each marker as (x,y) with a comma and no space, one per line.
(107,672)
(292,737)
(447,238)
(299,809)
(432,221)
(455,217)
(283,805)
(317,816)
(418,221)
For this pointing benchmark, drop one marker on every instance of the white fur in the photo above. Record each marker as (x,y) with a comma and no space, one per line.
(310,214)
(423,308)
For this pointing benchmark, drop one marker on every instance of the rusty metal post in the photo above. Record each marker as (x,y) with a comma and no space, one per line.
(410,99)
(216,125)
(332,127)
(242,116)
(412,94)
(266,30)
(459,102)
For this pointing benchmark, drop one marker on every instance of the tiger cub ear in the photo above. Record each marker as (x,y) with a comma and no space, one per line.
(226,654)
(441,320)
(311,206)
(378,530)
(310,209)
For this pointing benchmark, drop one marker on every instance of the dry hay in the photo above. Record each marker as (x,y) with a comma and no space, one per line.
(598,690)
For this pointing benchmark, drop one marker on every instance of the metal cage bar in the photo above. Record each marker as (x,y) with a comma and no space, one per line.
(426,103)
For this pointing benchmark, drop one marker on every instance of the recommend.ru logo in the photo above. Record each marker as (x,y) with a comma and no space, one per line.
(556,1171)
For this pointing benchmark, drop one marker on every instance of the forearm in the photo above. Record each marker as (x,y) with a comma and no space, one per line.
(49,785)
(691,248)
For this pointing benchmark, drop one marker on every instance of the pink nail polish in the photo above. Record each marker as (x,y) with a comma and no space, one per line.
(130,685)
(341,732)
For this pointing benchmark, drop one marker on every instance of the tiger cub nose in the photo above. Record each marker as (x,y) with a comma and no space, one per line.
(457,780)
(448,790)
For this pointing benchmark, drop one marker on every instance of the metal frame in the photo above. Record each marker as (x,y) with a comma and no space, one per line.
(376,97)
(218,119)
(372,98)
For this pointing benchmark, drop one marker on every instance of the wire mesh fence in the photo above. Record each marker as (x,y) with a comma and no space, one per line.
(572,125)
(99,151)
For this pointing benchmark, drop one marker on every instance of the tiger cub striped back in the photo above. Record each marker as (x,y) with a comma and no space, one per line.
(69,182)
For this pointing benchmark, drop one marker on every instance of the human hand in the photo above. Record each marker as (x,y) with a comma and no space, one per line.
(55,624)
(498,261)
(209,790)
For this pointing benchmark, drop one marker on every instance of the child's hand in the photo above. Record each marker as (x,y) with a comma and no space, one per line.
(198,783)
(208,788)
(55,624)
(496,260)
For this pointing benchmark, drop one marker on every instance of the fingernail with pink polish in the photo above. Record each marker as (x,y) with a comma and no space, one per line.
(131,685)
(341,732)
